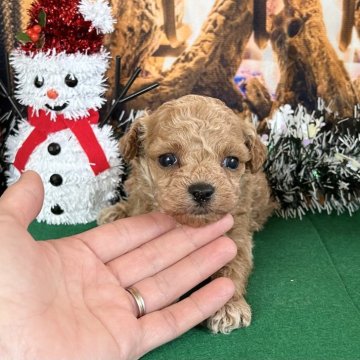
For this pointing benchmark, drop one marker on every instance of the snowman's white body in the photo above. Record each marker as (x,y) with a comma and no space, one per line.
(81,195)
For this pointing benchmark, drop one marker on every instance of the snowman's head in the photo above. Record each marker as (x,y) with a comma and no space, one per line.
(61,62)
(67,84)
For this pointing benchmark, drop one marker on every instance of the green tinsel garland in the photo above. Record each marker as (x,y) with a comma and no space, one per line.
(7,122)
(312,164)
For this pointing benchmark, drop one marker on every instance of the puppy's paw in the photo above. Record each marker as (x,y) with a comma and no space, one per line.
(111,214)
(233,315)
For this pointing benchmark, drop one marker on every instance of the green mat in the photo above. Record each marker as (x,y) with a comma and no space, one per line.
(42,231)
(304,293)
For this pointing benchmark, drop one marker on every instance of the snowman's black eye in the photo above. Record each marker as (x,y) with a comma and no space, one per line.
(39,81)
(71,80)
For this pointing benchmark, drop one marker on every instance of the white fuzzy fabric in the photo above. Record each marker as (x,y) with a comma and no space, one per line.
(53,68)
(99,13)
(82,194)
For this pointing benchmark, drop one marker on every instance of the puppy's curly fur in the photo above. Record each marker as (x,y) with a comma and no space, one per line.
(196,160)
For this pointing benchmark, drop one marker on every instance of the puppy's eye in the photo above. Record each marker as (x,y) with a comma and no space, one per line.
(39,81)
(167,160)
(231,162)
(71,80)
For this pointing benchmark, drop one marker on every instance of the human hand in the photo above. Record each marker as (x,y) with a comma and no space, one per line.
(66,299)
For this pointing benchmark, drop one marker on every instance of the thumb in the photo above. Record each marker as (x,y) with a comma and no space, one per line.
(23,200)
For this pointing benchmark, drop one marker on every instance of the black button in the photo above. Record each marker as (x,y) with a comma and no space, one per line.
(57,210)
(54,149)
(56,180)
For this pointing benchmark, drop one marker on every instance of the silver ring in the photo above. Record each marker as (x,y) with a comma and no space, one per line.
(139,300)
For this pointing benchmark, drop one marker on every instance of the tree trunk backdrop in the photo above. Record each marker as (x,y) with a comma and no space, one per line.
(234,33)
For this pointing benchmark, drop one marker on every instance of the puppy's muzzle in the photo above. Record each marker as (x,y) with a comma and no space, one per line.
(201,192)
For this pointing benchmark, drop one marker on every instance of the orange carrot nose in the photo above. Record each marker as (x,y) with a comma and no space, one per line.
(52,94)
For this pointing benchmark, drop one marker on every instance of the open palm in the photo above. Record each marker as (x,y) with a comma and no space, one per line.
(66,299)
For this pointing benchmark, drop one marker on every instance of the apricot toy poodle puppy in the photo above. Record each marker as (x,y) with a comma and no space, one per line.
(196,160)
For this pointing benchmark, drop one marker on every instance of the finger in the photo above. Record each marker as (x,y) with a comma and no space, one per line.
(167,286)
(112,240)
(162,252)
(23,200)
(163,326)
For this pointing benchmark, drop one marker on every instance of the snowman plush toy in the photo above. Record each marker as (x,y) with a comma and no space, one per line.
(59,71)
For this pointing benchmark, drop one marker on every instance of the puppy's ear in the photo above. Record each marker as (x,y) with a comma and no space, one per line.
(258,151)
(131,142)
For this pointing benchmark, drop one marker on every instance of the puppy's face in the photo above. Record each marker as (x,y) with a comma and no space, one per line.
(193,154)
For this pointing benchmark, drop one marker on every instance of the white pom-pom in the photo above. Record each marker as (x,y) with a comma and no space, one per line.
(99,13)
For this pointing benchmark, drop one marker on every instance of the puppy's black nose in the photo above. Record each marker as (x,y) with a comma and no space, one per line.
(201,192)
